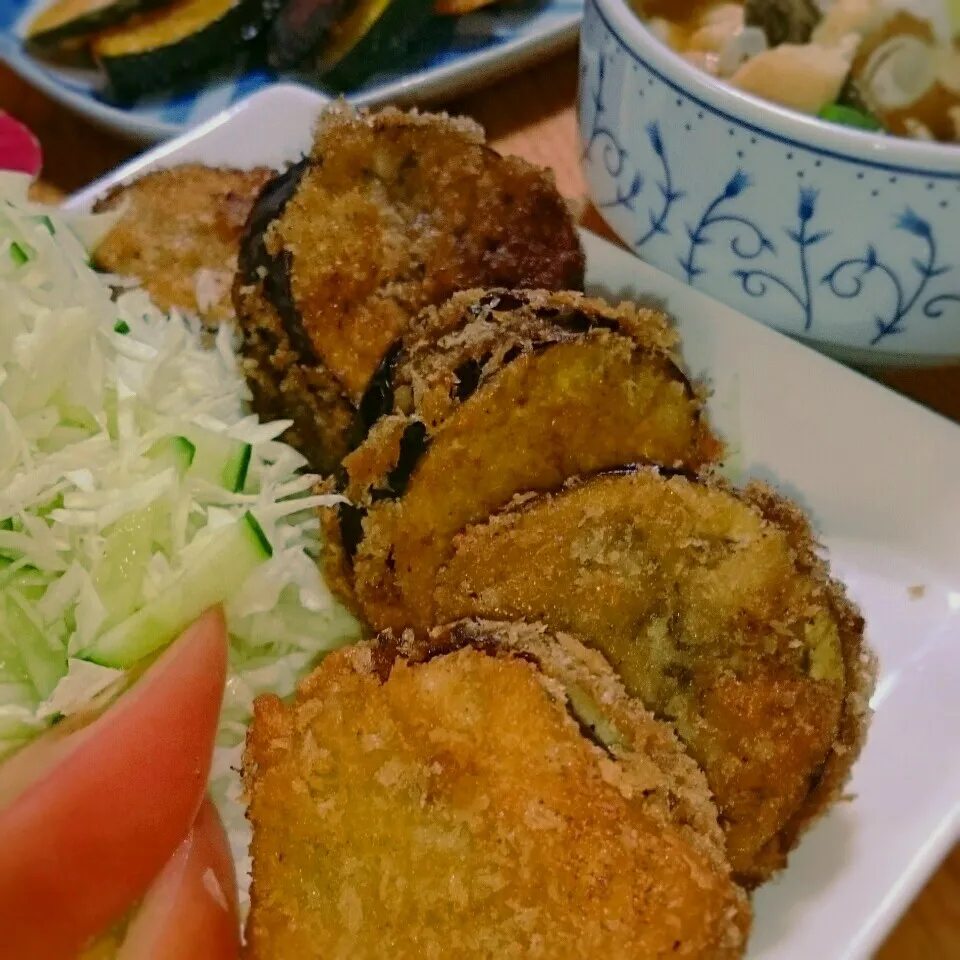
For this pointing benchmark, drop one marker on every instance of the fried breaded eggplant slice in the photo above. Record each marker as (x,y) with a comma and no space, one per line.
(718,614)
(491,792)
(180,233)
(390,213)
(496,394)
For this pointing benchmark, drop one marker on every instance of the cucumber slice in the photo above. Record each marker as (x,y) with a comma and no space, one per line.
(118,575)
(44,662)
(219,459)
(232,555)
(15,685)
(21,253)
(7,556)
(176,452)
(28,581)
(76,416)
(13,691)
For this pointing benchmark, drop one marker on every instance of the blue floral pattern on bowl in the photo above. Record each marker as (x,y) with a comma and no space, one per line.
(858,254)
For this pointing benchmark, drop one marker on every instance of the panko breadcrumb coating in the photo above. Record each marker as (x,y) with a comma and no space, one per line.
(180,233)
(390,213)
(488,793)
(715,610)
(497,393)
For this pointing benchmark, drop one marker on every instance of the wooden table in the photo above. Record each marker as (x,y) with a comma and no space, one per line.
(531,115)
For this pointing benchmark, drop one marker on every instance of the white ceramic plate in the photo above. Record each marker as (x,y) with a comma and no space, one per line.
(458,55)
(878,474)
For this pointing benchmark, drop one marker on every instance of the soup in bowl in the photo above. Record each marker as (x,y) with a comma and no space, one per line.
(793,193)
(890,65)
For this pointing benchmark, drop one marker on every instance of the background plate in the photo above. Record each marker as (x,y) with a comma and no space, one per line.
(877,474)
(463,53)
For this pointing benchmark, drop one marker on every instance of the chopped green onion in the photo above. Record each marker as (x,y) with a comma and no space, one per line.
(122,327)
(849,117)
(20,253)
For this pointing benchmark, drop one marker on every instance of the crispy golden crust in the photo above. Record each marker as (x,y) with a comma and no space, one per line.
(180,234)
(392,212)
(444,802)
(283,388)
(476,332)
(651,760)
(715,609)
(860,676)
(501,393)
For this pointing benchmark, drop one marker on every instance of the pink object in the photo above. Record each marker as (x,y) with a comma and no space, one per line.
(19,148)
(91,811)
(191,908)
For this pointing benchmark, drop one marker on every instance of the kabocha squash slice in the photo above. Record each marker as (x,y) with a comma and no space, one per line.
(498,394)
(66,20)
(343,42)
(372,36)
(716,611)
(163,48)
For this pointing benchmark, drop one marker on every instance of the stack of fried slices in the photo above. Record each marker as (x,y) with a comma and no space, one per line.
(605,691)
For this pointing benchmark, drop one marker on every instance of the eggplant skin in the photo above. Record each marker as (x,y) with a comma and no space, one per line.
(477,817)
(450,351)
(557,384)
(717,612)
(272,271)
(277,356)
(377,399)
(391,212)
(269,205)
(299,28)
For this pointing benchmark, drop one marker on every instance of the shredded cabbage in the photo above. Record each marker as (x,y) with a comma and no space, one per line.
(92,377)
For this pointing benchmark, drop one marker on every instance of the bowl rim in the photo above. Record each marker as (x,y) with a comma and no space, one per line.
(770,120)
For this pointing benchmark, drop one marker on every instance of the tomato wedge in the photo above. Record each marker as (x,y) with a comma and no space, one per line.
(89,816)
(191,908)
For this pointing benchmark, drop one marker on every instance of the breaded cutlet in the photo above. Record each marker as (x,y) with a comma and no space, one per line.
(715,609)
(390,212)
(180,233)
(487,792)
(497,393)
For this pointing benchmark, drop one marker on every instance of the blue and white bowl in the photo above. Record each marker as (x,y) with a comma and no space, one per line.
(845,239)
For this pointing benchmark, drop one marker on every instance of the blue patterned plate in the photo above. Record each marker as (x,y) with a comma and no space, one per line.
(462,53)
